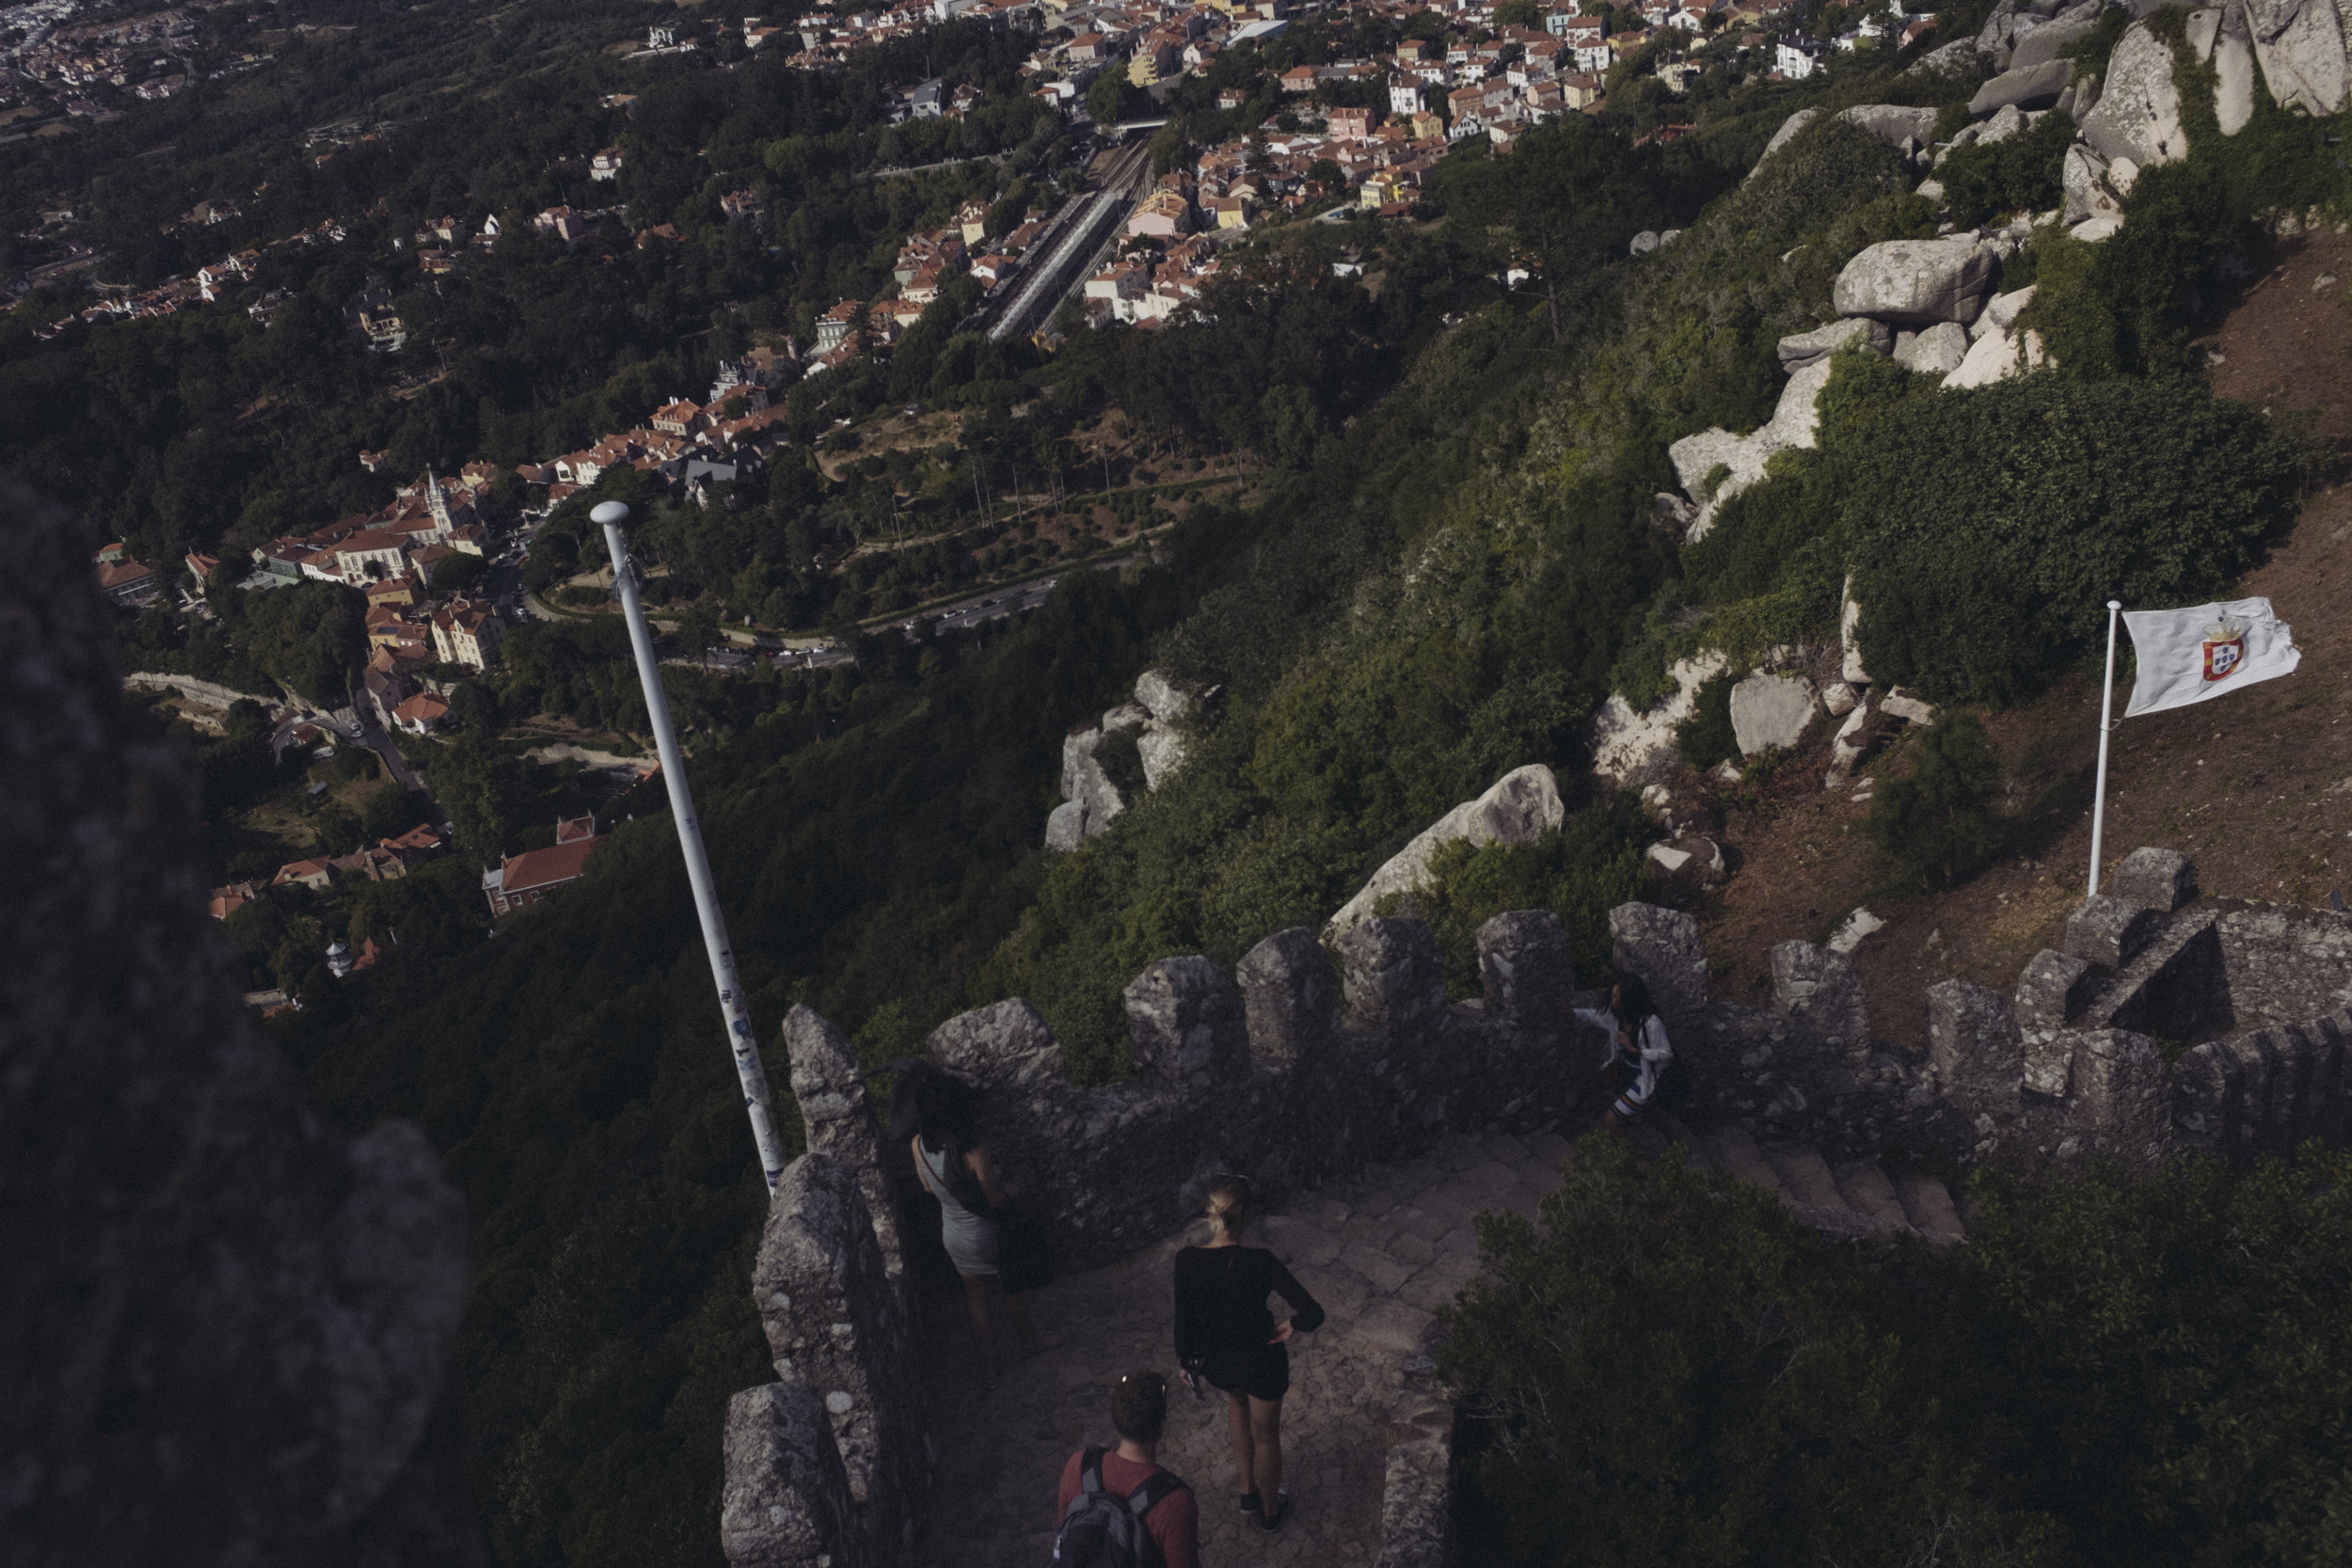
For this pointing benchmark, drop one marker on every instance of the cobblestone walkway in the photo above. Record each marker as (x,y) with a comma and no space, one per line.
(1380,1252)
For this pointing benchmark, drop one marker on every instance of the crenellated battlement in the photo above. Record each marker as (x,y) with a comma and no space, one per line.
(2165,1026)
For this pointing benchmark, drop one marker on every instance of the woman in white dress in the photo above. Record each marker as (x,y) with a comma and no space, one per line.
(1638,1052)
(953,1165)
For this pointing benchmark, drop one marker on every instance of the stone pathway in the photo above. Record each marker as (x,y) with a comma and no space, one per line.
(1380,1252)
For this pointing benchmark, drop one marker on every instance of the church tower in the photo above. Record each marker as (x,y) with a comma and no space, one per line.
(443,528)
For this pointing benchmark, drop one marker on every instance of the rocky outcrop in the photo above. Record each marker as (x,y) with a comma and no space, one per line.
(2034,86)
(2040,46)
(1892,124)
(2299,45)
(226,1326)
(1998,355)
(1937,350)
(2082,176)
(1520,806)
(1794,426)
(2235,66)
(1809,348)
(2139,115)
(1091,800)
(1630,746)
(1788,128)
(1917,282)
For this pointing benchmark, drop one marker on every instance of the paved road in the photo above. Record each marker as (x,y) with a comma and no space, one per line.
(969,614)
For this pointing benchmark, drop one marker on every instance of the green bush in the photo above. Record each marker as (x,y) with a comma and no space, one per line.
(1589,867)
(1990,526)
(1673,1370)
(2111,1373)
(2020,174)
(1938,821)
(1706,738)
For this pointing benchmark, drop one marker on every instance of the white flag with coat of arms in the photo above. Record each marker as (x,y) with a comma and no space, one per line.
(2200,653)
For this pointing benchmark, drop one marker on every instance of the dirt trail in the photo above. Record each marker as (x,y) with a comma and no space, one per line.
(2258,787)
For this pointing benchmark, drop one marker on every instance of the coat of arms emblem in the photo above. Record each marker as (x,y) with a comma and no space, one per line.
(2225,650)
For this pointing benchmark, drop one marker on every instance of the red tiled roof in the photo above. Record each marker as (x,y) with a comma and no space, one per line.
(537,868)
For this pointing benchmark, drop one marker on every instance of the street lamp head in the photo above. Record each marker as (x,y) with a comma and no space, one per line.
(610,512)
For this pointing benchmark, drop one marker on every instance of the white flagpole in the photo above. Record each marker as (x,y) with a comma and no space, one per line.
(2106,716)
(752,1076)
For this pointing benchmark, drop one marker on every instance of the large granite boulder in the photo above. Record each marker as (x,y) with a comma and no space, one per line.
(2082,176)
(1801,349)
(1630,746)
(1998,355)
(2040,46)
(2035,86)
(2235,66)
(1769,711)
(1788,128)
(1937,350)
(1519,807)
(1084,785)
(2139,115)
(1795,425)
(1892,124)
(1160,697)
(1917,282)
(226,1325)
(2299,45)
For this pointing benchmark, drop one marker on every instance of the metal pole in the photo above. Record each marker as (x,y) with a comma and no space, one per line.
(741,1041)
(2106,712)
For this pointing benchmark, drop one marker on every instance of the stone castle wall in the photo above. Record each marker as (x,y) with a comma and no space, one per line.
(2161,1029)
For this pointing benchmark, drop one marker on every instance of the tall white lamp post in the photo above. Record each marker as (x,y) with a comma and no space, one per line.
(740,1040)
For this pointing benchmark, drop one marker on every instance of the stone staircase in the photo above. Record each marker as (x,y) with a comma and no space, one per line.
(1850,1199)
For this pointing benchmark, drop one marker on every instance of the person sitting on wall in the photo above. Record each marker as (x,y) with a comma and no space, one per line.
(1225,1335)
(1638,1053)
(1113,1499)
(953,1165)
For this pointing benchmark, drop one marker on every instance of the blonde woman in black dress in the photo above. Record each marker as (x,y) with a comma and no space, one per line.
(1225,1336)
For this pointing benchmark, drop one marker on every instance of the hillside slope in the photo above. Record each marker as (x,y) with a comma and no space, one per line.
(2257,787)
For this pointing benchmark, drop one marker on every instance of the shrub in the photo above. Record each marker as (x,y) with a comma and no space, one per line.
(1673,1370)
(1938,821)
(2020,173)
(1990,526)
(1590,866)
(1706,738)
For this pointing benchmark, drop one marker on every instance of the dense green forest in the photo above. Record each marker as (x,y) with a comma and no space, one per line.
(1674,1369)
(1451,558)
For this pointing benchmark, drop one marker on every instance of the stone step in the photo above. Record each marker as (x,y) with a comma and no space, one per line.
(1730,1150)
(1929,1204)
(1869,1194)
(1804,1176)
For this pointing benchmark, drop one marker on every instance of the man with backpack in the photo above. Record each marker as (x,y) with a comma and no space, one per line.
(1118,1508)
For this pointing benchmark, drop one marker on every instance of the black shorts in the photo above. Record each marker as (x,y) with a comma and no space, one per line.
(1262,1372)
